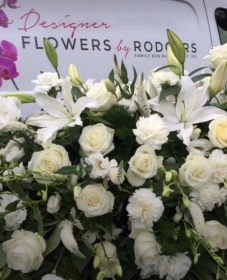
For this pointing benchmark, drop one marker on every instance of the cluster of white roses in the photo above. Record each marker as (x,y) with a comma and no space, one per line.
(200,181)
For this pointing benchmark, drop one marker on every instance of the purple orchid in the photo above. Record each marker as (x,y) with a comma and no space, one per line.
(7,69)
(3,19)
(12,4)
(8,50)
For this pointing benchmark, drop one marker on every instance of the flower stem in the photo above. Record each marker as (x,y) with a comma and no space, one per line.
(15,85)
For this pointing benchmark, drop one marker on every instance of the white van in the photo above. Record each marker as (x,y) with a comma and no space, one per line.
(89,33)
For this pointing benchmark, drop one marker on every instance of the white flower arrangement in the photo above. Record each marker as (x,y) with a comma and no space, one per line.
(117,179)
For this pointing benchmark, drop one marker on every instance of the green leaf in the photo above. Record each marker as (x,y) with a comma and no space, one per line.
(67,170)
(3,260)
(11,207)
(197,70)
(54,240)
(166,66)
(200,77)
(132,86)
(167,91)
(111,76)
(124,73)
(81,263)
(38,217)
(77,92)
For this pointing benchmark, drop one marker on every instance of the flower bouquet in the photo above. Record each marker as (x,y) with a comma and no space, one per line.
(120,179)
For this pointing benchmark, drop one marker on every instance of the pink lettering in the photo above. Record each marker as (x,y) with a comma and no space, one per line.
(33,19)
(123,48)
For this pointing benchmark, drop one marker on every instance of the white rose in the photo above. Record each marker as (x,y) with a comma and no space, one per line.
(97,138)
(45,81)
(146,251)
(13,219)
(107,254)
(217,54)
(144,208)
(94,200)
(24,251)
(151,131)
(13,150)
(218,132)
(195,171)
(216,234)
(54,203)
(47,162)
(51,277)
(143,165)
(9,110)
(105,98)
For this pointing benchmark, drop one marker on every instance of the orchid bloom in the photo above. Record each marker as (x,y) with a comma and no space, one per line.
(188,109)
(4,21)
(7,49)
(59,113)
(8,69)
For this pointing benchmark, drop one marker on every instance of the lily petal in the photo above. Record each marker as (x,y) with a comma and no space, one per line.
(206,114)
(67,93)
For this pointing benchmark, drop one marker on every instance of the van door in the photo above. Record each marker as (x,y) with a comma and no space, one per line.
(217,19)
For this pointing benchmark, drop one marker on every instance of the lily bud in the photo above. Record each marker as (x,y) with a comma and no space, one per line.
(96,261)
(177,46)
(168,176)
(218,79)
(77,191)
(186,201)
(110,86)
(22,96)
(196,258)
(51,53)
(172,60)
(74,75)
(44,195)
(119,270)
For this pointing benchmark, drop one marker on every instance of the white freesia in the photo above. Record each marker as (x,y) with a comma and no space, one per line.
(201,146)
(51,277)
(196,171)
(9,110)
(97,138)
(13,219)
(94,200)
(151,131)
(216,234)
(144,208)
(105,98)
(209,195)
(146,251)
(13,150)
(54,203)
(162,77)
(188,109)
(218,132)
(217,54)
(143,165)
(45,163)
(59,113)
(218,163)
(45,81)
(106,252)
(100,166)
(24,251)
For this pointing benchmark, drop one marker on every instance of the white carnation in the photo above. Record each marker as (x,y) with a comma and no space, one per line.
(9,110)
(13,150)
(13,219)
(144,208)
(175,266)
(151,131)
(208,195)
(163,78)
(51,277)
(45,81)
(218,163)
(100,166)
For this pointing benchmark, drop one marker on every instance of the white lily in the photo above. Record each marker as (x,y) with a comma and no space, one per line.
(188,109)
(59,113)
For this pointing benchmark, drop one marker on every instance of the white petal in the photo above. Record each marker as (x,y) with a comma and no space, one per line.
(185,133)
(51,105)
(82,103)
(166,108)
(67,94)
(47,121)
(206,114)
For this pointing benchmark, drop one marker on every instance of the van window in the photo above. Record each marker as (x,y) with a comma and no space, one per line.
(221,20)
